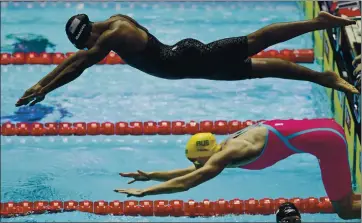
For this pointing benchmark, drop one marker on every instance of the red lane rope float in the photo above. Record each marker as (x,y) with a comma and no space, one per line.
(219,127)
(20,58)
(176,208)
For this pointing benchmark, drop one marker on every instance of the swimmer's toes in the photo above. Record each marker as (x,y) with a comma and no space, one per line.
(336,20)
(355,91)
(346,87)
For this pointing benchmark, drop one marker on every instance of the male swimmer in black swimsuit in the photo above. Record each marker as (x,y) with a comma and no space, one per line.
(225,59)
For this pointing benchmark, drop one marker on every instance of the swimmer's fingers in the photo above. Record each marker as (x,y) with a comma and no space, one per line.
(128,174)
(130,192)
(38,99)
(120,190)
(138,176)
(143,174)
(29,96)
(25,100)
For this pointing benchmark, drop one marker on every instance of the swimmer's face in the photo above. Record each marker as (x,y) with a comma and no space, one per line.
(91,40)
(291,219)
(200,162)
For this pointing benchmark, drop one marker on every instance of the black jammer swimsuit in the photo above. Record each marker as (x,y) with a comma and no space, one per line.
(224,59)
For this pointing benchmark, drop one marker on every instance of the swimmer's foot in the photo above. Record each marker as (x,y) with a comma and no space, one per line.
(331,79)
(331,21)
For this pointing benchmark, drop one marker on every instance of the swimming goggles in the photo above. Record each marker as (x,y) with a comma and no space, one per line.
(291,220)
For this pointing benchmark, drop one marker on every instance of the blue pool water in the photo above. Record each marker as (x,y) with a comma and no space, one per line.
(79,168)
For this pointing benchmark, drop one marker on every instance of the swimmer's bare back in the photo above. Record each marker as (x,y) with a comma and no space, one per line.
(253,136)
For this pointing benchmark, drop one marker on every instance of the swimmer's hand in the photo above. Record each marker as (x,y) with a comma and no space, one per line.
(131,192)
(34,95)
(137,176)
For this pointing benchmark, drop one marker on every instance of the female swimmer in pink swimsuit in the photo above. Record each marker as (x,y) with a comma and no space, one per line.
(261,146)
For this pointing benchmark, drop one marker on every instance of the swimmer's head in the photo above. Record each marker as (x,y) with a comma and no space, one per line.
(288,213)
(79,29)
(201,147)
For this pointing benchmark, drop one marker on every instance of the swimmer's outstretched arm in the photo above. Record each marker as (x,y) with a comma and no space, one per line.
(157,175)
(214,166)
(73,68)
(69,70)
(168,175)
(188,181)
(82,60)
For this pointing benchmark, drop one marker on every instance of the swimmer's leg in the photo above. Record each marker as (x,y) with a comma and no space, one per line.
(336,177)
(328,145)
(278,68)
(280,32)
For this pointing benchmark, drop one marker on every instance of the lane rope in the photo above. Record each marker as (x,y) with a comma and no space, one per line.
(32,58)
(218,127)
(221,127)
(176,208)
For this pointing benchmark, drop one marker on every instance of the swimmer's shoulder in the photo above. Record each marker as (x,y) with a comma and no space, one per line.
(117,17)
(126,35)
(127,19)
(253,129)
(127,25)
(253,134)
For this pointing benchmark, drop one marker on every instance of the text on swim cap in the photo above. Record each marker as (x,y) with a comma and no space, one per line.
(202,143)
(74,25)
(289,210)
(80,32)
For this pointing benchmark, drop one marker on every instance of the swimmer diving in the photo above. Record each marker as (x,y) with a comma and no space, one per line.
(258,147)
(226,59)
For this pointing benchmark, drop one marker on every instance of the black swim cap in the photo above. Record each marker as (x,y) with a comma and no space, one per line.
(78,29)
(287,209)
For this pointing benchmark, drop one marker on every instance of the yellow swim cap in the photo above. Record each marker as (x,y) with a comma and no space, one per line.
(201,145)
